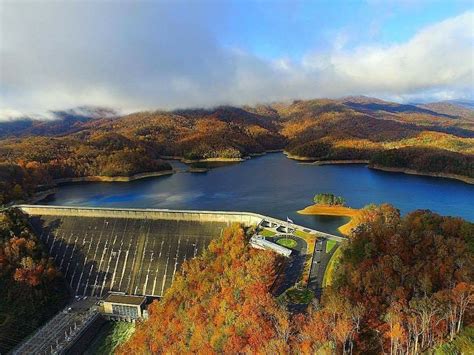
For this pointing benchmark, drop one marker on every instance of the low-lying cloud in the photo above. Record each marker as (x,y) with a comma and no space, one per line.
(128,57)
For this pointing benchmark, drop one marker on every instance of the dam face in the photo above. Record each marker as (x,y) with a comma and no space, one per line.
(135,256)
(133,251)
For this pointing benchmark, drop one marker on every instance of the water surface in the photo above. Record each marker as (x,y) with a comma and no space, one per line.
(278,187)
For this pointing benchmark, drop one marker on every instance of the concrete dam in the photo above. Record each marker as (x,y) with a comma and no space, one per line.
(135,251)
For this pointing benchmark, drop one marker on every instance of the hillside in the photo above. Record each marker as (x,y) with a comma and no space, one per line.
(31,288)
(385,133)
(200,315)
(402,285)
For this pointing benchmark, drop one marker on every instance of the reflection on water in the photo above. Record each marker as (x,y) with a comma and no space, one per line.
(278,187)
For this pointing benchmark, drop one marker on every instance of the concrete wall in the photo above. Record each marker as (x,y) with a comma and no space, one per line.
(177,215)
(245,218)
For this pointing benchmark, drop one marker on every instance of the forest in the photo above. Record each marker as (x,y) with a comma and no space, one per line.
(34,163)
(407,281)
(220,303)
(403,285)
(329,199)
(425,160)
(31,288)
(433,138)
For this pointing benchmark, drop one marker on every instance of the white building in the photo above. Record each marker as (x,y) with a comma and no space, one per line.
(260,242)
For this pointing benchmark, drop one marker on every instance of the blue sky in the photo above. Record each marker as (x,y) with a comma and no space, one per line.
(273,29)
(136,55)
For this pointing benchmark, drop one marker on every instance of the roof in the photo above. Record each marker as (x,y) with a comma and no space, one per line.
(261,241)
(125,299)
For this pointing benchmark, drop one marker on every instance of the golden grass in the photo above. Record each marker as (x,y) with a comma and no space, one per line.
(341,211)
(327,210)
(329,273)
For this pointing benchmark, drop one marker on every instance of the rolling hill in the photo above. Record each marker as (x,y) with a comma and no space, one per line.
(431,138)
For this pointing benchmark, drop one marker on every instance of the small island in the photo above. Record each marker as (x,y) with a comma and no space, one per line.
(326,204)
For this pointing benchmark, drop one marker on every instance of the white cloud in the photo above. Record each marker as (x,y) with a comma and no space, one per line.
(54,57)
(439,56)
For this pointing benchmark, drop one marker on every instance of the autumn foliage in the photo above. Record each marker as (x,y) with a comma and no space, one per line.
(32,154)
(220,302)
(31,288)
(404,285)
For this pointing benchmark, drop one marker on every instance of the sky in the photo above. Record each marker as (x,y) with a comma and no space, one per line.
(145,55)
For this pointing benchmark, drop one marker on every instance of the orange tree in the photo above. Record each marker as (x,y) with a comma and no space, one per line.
(220,302)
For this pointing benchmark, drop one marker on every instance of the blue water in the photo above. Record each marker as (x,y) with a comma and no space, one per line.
(278,187)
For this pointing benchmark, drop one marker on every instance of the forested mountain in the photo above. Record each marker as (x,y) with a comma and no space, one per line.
(354,128)
(61,122)
(451,109)
(31,288)
(403,285)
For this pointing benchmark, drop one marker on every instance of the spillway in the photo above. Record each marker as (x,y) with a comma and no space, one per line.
(136,251)
(136,256)
(133,251)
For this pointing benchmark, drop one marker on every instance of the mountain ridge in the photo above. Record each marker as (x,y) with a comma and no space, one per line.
(387,135)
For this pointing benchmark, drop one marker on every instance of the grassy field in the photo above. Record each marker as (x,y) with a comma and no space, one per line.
(287,242)
(329,273)
(330,244)
(111,335)
(266,233)
(303,235)
(297,296)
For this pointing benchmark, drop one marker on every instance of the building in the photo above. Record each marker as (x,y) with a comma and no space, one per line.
(124,307)
(260,242)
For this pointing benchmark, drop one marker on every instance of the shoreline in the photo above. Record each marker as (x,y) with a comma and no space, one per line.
(303,160)
(218,159)
(313,161)
(462,178)
(213,160)
(100,178)
(338,211)
(41,195)
(298,157)
(336,162)
(265,153)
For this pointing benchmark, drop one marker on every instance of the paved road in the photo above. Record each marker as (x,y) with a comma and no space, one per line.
(295,264)
(319,264)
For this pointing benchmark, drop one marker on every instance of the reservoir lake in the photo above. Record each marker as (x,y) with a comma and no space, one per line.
(276,186)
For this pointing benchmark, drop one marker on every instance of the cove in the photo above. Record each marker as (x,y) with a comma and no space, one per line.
(276,186)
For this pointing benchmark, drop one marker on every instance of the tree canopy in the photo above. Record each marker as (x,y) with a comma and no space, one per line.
(329,199)
(31,288)
(403,283)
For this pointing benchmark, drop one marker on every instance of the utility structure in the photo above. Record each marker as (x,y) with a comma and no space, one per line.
(121,307)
